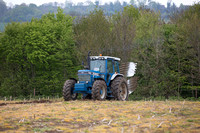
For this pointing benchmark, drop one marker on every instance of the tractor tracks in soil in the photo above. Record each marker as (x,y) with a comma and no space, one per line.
(27,102)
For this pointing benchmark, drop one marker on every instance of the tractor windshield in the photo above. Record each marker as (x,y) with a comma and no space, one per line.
(98,65)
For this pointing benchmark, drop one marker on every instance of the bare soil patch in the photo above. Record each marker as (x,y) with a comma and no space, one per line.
(26,102)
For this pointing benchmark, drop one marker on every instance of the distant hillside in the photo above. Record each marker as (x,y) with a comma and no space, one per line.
(23,12)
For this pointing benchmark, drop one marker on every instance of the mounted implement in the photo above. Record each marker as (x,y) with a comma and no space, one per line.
(101,79)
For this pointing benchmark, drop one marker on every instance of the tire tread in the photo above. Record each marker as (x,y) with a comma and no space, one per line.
(115,87)
(67,89)
(96,88)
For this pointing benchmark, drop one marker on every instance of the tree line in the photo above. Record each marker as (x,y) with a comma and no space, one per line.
(43,53)
(24,12)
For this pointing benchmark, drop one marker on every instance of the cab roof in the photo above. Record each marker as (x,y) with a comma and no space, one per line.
(104,57)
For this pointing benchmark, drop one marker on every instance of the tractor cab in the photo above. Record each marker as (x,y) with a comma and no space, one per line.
(100,68)
(105,65)
(101,80)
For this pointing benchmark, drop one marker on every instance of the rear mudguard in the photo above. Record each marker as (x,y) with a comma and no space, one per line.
(74,79)
(115,75)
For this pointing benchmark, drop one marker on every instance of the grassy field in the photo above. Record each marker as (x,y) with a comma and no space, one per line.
(96,116)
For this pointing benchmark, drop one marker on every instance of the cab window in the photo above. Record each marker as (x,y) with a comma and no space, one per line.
(110,66)
(116,66)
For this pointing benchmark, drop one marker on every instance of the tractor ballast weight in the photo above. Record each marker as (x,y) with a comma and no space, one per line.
(102,79)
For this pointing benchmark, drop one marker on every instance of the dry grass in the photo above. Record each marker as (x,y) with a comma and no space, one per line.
(101,116)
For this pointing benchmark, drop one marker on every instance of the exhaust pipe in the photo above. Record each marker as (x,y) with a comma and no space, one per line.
(88,59)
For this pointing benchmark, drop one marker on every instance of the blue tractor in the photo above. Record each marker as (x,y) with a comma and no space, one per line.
(100,80)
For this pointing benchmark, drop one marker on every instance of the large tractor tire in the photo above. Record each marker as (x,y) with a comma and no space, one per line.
(119,89)
(99,90)
(68,90)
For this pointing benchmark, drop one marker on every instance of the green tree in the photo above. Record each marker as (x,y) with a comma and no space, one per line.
(22,13)
(92,33)
(173,55)
(148,53)
(123,32)
(40,54)
(188,40)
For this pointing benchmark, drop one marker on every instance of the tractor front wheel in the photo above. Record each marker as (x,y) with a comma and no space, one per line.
(68,90)
(119,89)
(99,90)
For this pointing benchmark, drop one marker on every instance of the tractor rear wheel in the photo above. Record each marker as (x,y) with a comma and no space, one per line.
(68,90)
(99,90)
(119,89)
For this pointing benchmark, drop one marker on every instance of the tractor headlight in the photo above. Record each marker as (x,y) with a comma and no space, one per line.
(89,73)
(95,74)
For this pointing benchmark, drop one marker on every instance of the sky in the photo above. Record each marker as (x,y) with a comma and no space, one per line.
(40,2)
